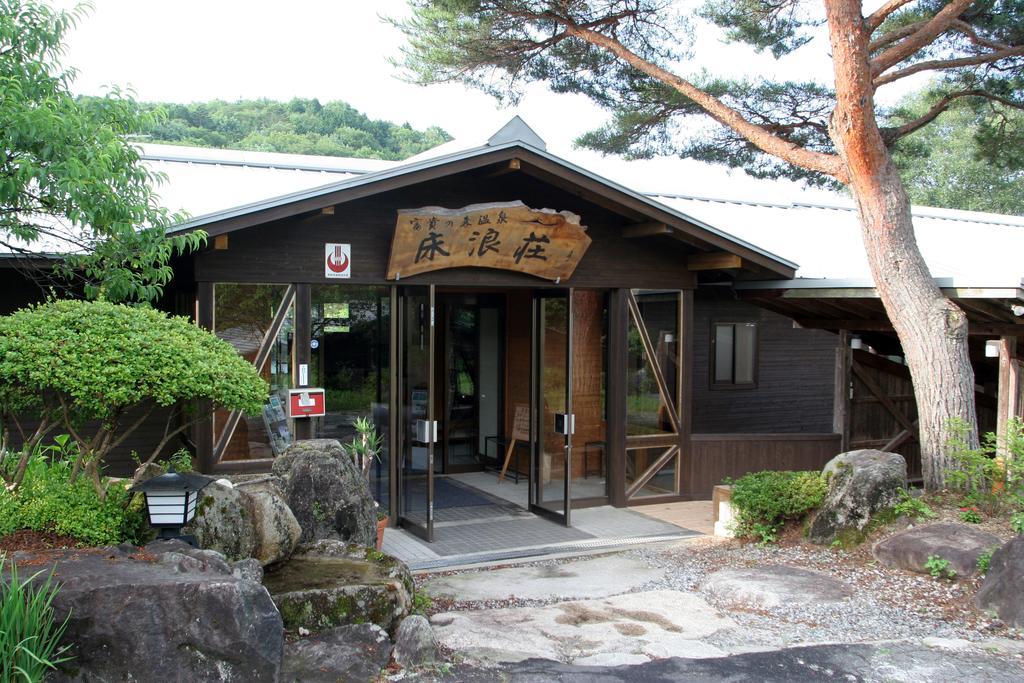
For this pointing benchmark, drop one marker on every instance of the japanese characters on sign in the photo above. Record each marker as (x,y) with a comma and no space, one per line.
(509,236)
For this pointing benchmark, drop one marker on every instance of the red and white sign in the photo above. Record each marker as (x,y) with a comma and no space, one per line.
(337,260)
(306,403)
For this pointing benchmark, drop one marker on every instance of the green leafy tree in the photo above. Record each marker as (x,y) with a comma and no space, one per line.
(99,370)
(70,182)
(300,126)
(947,164)
(636,59)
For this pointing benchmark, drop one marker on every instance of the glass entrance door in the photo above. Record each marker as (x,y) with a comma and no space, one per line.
(551,406)
(417,420)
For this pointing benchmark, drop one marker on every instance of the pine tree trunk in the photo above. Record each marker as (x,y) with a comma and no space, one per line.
(931,328)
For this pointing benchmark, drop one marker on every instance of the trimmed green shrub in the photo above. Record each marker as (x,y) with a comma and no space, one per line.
(76,363)
(764,501)
(29,637)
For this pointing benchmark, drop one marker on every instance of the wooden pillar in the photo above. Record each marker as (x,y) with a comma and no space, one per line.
(841,388)
(301,352)
(1008,400)
(202,432)
(395,425)
(684,392)
(618,346)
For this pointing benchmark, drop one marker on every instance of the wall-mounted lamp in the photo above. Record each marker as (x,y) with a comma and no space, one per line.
(856,343)
(992,348)
(1017,310)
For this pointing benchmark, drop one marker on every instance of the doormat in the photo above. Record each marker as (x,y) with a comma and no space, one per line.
(449,494)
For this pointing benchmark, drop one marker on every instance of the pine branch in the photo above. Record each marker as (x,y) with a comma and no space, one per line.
(827,164)
(942,64)
(932,29)
(878,17)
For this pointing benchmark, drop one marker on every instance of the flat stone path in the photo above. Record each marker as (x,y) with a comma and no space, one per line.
(775,585)
(625,629)
(590,578)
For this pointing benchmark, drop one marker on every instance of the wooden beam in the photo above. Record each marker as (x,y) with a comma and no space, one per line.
(202,431)
(900,439)
(1008,398)
(873,387)
(645,230)
(618,349)
(841,391)
(511,166)
(718,260)
(858,325)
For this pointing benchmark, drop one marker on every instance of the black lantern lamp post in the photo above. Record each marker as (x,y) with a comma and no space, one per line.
(171,501)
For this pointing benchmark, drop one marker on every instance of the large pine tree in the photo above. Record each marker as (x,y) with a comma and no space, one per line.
(633,57)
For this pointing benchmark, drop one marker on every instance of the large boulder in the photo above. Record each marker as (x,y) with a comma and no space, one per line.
(327,493)
(166,612)
(224,521)
(958,544)
(861,483)
(1001,590)
(358,652)
(328,583)
(277,530)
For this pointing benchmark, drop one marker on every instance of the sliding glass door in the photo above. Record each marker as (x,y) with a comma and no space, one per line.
(417,419)
(551,406)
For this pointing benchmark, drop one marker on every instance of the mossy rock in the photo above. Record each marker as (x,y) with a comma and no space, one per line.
(328,584)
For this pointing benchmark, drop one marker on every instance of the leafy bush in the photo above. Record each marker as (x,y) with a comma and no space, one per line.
(939,568)
(985,561)
(48,500)
(912,507)
(986,480)
(971,515)
(1017,522)
(29,637)
(764,501)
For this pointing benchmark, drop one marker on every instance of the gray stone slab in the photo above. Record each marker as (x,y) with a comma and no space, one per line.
(619,629)
(774,585)
(958,544)
(593,578)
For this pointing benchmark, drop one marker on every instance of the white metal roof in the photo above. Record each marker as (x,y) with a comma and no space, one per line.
(962,248)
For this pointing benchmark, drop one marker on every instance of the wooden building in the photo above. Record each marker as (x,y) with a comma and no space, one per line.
(501,308)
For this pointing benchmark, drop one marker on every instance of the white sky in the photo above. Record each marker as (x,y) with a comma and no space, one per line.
(193,50)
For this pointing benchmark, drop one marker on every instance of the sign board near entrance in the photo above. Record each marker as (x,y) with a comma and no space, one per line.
(521,423)
(337,260)
(509,236)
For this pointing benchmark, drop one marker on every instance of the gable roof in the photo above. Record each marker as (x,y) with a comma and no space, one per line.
(517,146)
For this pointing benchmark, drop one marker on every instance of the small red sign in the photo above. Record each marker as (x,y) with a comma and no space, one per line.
(306,403)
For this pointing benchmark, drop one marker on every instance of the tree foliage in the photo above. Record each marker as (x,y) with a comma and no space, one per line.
(622,54)
(70,182)
(99,370)
(300,126)
(950,164)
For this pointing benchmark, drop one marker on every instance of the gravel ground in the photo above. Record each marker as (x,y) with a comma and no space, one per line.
(887,604)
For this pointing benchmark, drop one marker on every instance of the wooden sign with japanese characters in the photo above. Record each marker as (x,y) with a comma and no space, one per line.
(508,236)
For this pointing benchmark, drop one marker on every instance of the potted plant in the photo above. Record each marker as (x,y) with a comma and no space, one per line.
(382,524)
(365,449)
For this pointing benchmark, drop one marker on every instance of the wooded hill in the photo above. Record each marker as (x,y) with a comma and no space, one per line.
(300,126)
